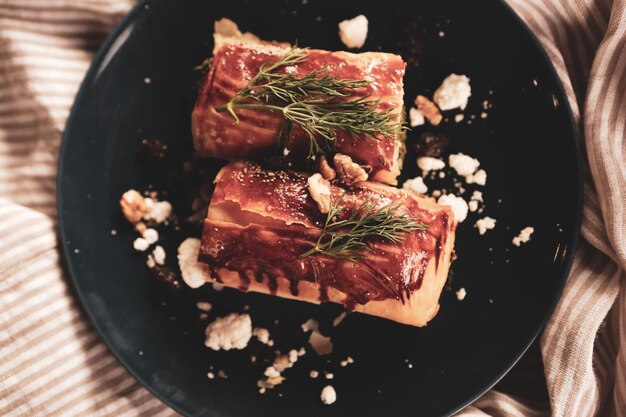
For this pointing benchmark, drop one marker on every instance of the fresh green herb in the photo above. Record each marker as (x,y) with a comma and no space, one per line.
(317,102)
(346,236)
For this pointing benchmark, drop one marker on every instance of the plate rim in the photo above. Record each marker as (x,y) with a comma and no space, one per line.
(96,65)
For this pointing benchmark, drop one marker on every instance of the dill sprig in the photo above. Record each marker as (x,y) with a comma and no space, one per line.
(346,235)
(318,102)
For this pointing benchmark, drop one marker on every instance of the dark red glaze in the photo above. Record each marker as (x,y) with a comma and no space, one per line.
(255,136)
(264,220)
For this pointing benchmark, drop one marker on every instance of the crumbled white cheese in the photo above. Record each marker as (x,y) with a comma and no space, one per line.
(427,163)
(157,211)
(301,351)
(464,165)
(158,254)
(416,117)
(262,335)
(210,375)
(328,395)
(460,294)
(459,206)
(459,117)
(477,195)
(454,92)
(230,332)
(320,344)
(204,306)
(484,224)
(271,372)
(319,189)
(353,32)
(330,375)
(192,271)
(140,244)
(416,184)
(479,177)
(151,236)
(523,236)
(472,205)
(293,356)
(314,374)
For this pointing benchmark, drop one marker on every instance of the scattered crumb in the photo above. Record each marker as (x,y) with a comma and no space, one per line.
(426,163)
(262,335)
(222,374)
(472,205)
(460,294)
(329,375)
(416,117)
(441,34)
(314,374)
(458,205)
(140,244)
(113,232)
(262,390)
(353,32)
(523,236)
(416,184)
(133,206)
(157,211)
(301,351)
(453,93)
(459,117)
(147,80)
(210,375)
(150,235)
(204,306)
(328,395)
(484,224)
(464,165)
(320,344)
(293,356)
(409,365)
(192,271)
(483,115)
(230,332)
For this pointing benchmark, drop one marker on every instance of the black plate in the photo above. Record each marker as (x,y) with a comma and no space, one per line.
(527,144)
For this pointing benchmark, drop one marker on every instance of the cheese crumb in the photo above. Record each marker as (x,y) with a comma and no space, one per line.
(484,224)
(192,271)
(262,335)
(427,163)
(472,205)
(330,375)
(319,189)
(480,177)
(353,32)
(230,332)
(158,254)
(459,206)
(458,118)
(460,294)
(464,165)
(157,211)
(454,92)
(416,184)
(310,325)
(140,244)
(328,395)
(523,236)
(314,374)
(151,236)
(204,306)
(210,375)
(416,117)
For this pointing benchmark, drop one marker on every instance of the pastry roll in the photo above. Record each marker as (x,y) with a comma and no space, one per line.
(262,226)
(238,57)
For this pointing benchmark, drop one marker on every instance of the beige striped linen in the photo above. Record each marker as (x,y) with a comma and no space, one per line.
(52,363)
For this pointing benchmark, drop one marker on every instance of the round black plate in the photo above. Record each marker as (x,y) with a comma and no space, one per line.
(527,144)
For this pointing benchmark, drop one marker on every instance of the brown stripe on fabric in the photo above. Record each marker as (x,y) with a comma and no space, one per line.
(100,365)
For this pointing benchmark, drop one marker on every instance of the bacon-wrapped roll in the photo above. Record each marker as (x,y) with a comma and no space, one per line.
(237,58)
(261,224)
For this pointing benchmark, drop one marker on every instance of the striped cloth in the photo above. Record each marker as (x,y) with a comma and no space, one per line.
(52,362)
